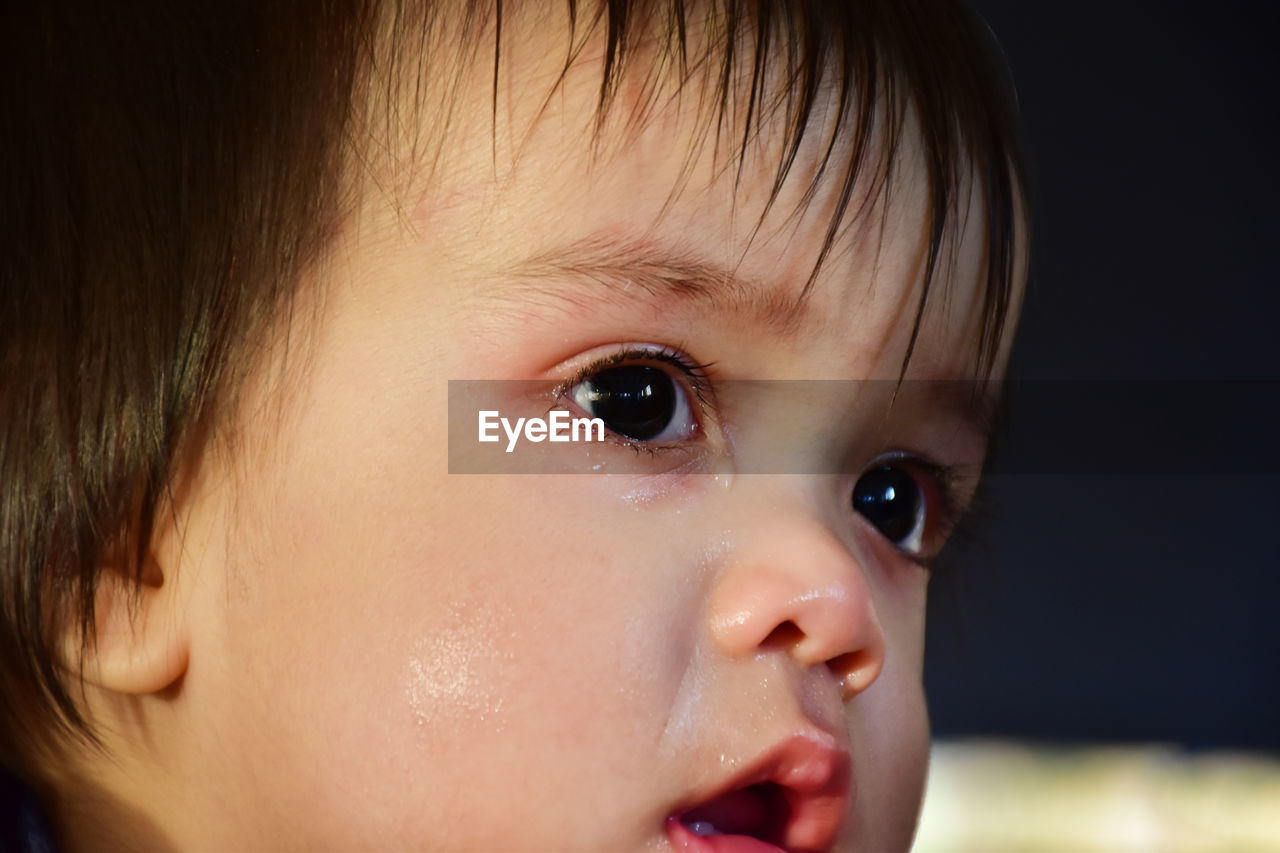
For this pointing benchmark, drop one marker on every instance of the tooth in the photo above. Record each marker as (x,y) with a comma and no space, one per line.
(703,827)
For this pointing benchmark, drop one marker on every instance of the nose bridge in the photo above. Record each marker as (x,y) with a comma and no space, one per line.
(791,584)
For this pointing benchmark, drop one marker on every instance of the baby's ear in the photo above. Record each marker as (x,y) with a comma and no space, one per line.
(139,642)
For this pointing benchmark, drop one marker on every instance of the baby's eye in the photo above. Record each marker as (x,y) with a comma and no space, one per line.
(894,500)
(641,402)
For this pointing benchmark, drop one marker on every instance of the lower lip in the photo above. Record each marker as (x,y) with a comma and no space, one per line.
(684,839)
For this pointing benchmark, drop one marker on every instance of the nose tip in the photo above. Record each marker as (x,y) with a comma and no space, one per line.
(797,589)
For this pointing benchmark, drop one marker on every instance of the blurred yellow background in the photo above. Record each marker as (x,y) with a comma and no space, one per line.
(993,796)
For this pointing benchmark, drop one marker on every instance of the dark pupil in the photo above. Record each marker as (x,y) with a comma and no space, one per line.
(890,499)
(633,400)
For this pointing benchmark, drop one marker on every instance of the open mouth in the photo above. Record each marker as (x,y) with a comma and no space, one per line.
(792,801)
(745,820)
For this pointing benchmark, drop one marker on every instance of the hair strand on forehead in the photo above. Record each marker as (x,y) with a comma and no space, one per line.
(882,66)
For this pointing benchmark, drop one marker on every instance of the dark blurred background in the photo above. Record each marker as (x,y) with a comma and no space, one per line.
(1122,578)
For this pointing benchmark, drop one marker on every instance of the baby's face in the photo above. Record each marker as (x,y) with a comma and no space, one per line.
(387,654)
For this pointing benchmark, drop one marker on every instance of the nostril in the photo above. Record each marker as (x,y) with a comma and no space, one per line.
(842,665)
(785,636)
(854,671)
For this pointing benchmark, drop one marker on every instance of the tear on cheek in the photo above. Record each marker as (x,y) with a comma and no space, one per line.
(454,679)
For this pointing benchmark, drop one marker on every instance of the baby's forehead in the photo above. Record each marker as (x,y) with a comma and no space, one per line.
(768,164)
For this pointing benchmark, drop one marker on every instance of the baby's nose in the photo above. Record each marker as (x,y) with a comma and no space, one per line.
(793,585)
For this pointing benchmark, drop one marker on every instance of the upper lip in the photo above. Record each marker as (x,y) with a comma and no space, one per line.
(809,774)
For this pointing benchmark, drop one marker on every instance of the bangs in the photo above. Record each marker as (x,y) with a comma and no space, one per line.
(847,88)
(885,67)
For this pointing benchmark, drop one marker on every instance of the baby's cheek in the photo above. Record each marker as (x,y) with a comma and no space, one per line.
(532,657)
(889,722)
(890,734)
(457,675)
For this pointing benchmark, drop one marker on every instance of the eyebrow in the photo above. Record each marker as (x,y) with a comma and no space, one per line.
(662,272)
(618,265)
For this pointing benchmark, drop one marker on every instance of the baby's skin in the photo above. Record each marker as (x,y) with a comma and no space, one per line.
(359,649)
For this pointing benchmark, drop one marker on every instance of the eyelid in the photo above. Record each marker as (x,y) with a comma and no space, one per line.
(696,373)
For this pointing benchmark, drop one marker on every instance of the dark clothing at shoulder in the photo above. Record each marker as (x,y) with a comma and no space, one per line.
(23,826)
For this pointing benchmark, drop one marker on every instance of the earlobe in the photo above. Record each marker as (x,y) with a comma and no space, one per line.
(140,642)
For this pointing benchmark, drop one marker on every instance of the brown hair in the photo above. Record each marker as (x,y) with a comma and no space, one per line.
(170,175)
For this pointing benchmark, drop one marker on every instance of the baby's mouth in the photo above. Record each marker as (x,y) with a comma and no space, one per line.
(746,819)
(791,800)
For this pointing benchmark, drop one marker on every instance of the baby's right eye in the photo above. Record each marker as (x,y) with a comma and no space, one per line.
(640,402)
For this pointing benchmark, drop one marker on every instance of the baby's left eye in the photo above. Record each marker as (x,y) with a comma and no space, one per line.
(894,501)
(641,402)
